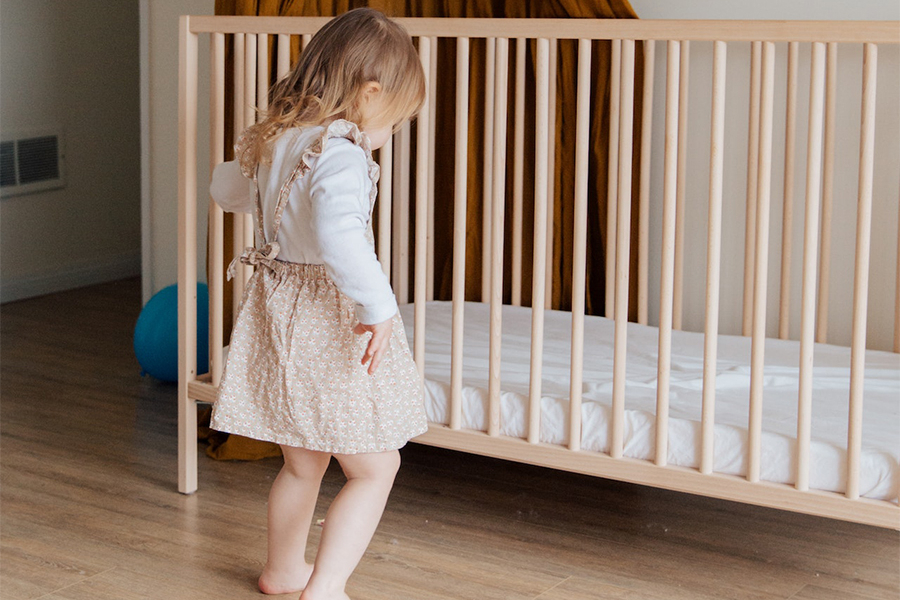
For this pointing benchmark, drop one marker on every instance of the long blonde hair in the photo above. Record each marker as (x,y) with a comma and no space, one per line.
(359,46)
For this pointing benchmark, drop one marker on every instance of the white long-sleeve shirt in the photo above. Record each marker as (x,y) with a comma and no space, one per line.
(326,218)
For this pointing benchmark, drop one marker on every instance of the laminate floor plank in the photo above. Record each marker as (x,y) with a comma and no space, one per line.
(89,507)
(815,592)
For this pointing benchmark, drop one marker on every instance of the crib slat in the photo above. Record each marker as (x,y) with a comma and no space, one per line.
(551,176)
(305,39)
(713,258)
(432,101)
(187,251)
(459,229)
(216,214)
(667,266)
(623,242)
(752,183)
(644,203)
(579,249)
(238,219)
(861,269)
(612,187)
(385,189)
(262,71)
(401,213)
(498,206)
(250,80)
(787,216)
(489,108)
(518,174)
(810,244)
(421,265)
(827,194)
(757,351)
(284,54)
(541,171)
(249,119)
(684,92)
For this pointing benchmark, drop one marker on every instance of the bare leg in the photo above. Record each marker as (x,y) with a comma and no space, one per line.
(292,502)
(351,521)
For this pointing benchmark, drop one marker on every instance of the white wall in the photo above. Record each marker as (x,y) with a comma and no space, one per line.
(159,25)
(886,190)
(72,65)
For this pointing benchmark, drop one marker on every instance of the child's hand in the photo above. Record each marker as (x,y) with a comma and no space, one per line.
(378,344)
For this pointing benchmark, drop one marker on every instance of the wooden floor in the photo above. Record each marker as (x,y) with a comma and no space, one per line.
(90,511)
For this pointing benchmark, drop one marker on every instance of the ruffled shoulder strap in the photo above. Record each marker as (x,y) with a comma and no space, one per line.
(336,129)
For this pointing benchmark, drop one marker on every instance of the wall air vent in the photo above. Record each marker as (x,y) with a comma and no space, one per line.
(31,163)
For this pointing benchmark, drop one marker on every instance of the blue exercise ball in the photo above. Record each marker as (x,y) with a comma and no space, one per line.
(156,334)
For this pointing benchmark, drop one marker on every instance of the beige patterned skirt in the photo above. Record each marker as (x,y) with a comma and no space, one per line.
(293,374)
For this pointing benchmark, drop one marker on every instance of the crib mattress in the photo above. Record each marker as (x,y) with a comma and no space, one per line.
(879,461)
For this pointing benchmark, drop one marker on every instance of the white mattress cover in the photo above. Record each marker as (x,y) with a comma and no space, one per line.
(879,470)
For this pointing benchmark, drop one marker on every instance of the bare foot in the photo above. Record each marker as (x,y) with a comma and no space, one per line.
(284,583)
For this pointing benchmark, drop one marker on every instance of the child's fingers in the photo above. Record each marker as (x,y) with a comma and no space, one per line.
(359,329)
(376,360)
(378,345)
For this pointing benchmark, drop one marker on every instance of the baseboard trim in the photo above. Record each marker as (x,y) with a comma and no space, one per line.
(70,277)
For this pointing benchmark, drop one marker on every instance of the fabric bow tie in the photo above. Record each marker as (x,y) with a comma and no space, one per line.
(254,256)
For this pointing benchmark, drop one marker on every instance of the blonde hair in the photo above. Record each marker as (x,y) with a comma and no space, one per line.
(358,47)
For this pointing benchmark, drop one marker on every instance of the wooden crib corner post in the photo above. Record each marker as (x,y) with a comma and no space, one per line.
(187,252)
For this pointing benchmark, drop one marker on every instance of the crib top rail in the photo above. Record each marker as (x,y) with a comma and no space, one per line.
(878,32)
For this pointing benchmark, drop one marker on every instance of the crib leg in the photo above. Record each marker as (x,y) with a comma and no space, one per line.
(187,253)
(187,443)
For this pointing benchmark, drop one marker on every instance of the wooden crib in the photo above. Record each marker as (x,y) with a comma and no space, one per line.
(662,141)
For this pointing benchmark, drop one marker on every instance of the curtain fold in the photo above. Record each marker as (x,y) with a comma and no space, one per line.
(562,144)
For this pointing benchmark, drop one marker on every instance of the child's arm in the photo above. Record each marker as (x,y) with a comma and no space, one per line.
(340,214)
(230,189)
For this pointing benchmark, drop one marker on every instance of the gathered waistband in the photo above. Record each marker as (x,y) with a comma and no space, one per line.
(266,257)
(302,270)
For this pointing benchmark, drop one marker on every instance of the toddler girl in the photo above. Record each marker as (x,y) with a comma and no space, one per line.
(302,370)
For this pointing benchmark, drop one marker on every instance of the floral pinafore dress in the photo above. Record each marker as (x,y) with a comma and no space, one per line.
(293,374)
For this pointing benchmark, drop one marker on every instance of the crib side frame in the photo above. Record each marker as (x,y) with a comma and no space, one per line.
(192,389)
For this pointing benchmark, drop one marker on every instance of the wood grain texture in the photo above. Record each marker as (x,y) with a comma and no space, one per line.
(89,509)
(649,29)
